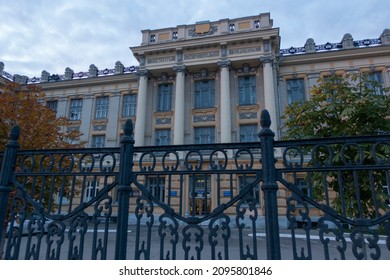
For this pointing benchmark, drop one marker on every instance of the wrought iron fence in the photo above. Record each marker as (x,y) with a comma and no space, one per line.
(318,198)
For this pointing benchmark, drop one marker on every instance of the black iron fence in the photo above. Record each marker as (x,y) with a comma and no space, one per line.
(307,199)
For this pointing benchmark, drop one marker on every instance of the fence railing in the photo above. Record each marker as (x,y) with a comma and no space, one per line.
(217,201)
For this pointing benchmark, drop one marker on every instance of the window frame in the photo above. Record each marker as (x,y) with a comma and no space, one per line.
(101,108)
(75,109)
(247,90)
(204,95)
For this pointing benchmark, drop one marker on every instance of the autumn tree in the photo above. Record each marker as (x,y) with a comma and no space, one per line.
(341,107)
(39,126)
(39,129)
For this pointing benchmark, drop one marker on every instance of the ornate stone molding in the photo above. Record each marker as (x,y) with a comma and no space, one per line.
(224,63)
(267,59)
(179,68)
(143,73)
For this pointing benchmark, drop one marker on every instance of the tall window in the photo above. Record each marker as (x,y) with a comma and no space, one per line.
(76,106)
(101,110)
(163,137)
(375,82)
(129,105)
(98,141)
(247,90)
(52,104)
(205,94)
(249,133)
(295,90)
(164,97)
(204,135)
(156,186)
(246,180)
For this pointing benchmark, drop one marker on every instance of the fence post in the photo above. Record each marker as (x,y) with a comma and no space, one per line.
(124,189)
(7,168)
(269,187)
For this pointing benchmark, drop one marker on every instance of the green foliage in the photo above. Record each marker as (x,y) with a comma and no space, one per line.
(341,107)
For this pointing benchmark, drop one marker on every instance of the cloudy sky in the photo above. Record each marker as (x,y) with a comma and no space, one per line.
(52,35)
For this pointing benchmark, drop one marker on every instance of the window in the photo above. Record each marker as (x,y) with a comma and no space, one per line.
(129,105)
(53,104)
(156,186)
(295,90)
(246,180)
(152,38)
(247,90)
(257,24)
(204,135)
(164,97)
(232,27)
(174,35)
(101,110)
(98,141)
(249,133)
(375,83)
(163,137)
(91,190)
(76,106)
(205,94)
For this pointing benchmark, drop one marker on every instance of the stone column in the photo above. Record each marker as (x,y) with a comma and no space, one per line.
(269,92)
(226,126)
(178,128)
(139,131)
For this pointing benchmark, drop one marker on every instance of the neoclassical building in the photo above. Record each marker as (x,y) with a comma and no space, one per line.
(205,82)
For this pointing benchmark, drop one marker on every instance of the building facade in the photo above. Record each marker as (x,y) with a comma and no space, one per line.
(203,83)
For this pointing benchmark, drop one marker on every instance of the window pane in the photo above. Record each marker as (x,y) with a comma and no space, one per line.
(129,105)
(164,98)
(98,141)
(101,107)
(375,82)
(249,133)
(205,94)
(163,137)
(295,90)
(247,90)
(76,106)
(156,186)
(204,135)
(52,105)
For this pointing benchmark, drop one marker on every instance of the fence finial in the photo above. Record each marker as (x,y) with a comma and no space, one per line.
(14,133)
(265,119)
(128,128)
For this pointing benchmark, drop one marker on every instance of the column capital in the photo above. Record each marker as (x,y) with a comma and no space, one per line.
(143,73)
(179,68)
(267,59)
(224,63)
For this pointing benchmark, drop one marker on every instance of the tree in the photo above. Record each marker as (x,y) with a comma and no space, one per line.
(39,129)
(341,107)
(39,126)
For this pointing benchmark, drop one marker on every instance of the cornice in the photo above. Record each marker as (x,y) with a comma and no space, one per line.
(328,56)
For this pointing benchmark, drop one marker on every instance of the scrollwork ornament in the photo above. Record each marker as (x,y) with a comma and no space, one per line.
(360,242)
(328,225)
(168,232)
(192,241)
